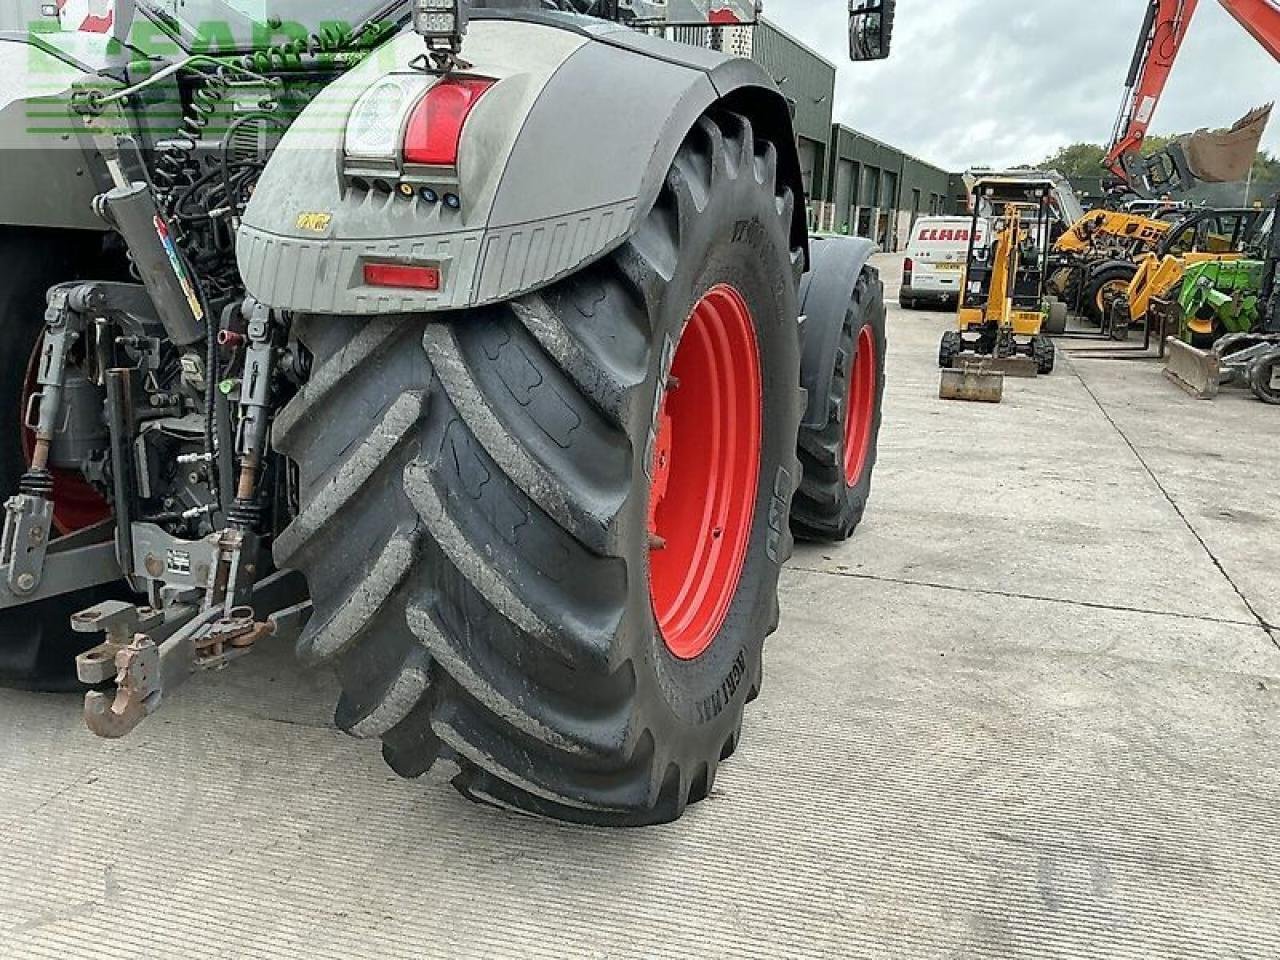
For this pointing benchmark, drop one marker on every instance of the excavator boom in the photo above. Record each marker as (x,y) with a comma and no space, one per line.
(1160,41)
(1261,18)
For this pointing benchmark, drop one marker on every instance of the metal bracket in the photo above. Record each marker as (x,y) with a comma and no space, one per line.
(144,672)
(28,521)
(120,621)
(84,559)
(151,654)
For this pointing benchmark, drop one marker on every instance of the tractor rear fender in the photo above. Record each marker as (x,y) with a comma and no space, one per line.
(825,295)
(559,163)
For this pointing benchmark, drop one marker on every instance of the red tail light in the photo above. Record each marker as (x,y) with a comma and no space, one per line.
(908,267)
(435,126)
(401,275)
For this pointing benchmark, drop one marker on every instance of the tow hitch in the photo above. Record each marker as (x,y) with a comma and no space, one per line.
(149,654)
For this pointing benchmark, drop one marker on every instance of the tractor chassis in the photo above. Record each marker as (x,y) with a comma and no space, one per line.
(201,594)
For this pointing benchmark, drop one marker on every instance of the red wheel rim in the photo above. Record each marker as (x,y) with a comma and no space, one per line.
(76,504)
(860,417)
(706,473)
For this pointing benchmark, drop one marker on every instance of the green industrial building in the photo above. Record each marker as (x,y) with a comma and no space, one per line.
(854,184)
(808,81)
(875,190)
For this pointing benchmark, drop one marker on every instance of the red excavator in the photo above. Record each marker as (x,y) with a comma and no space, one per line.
(1213,156)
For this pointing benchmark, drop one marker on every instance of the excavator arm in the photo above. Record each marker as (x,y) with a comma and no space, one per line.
(1164,29)
(1261,18)
(1159,42)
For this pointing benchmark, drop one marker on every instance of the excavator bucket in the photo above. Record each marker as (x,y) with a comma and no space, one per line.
(1199,372)
(972,381)
(1225,156)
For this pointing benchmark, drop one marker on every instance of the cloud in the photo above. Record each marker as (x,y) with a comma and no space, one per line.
(976,82)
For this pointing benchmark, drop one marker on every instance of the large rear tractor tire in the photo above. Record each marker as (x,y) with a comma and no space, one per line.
(37,647)
(839,458)
(543,539)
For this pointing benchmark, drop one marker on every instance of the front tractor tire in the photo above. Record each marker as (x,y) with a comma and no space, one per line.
(838,458)
(543,539)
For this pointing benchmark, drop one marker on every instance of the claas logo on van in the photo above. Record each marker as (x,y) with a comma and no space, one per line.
(944,234)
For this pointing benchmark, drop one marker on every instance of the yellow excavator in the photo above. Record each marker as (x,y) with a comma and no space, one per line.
(1003,308)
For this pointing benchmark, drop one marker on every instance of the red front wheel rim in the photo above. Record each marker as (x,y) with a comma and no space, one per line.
(860,417)
(705,473)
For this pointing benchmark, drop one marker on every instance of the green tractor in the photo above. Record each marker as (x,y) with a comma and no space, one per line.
(1218,298)
(1228,319)
(483,348)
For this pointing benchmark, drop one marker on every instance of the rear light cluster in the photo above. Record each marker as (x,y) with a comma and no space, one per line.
(435,125)
(403,137)
(908,267)
(405,131)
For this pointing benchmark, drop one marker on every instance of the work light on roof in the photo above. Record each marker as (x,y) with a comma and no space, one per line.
(442,23)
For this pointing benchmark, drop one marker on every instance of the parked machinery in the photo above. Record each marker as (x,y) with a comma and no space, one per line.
(1096,259)
(1003,307)
(1228,316)
(496,341)
(1210,156)
(1203,236)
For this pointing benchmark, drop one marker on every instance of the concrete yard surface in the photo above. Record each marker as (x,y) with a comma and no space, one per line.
(1032,710)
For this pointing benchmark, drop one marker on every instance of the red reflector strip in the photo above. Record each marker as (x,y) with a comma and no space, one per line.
(400,275)
(435,126)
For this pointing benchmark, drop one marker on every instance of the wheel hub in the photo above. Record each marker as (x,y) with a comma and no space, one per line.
(1108,292)
(705,473)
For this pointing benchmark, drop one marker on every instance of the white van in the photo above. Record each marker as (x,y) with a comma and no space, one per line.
(934,265)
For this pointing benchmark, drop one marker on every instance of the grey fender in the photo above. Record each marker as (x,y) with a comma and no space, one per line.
(825,294)
(559,164)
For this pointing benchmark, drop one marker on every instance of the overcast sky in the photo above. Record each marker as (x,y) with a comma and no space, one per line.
(976,82)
